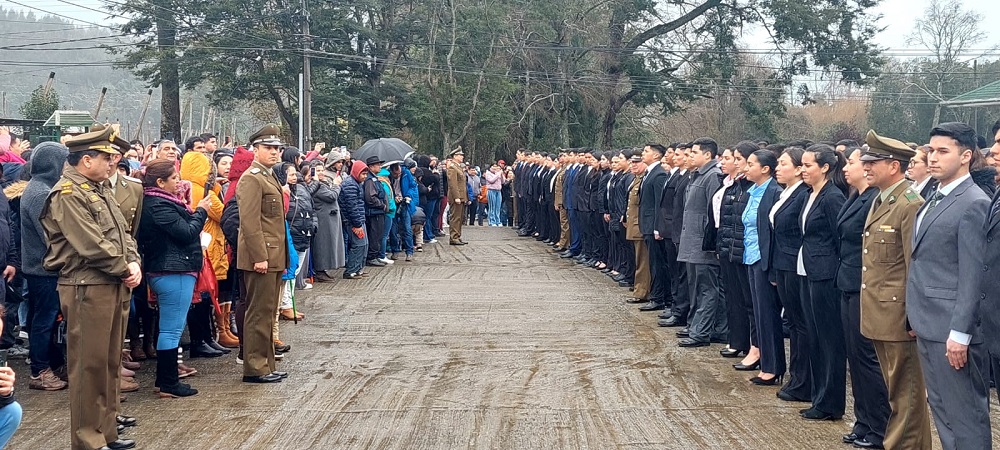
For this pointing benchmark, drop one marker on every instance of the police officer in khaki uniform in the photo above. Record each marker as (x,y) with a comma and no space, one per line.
(643,278)
(263,255)
(560,205)
(458,193)
(885,259)
(98,265)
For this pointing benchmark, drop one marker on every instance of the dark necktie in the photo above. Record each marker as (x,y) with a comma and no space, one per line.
(935,199)
(878,202)
(994,208)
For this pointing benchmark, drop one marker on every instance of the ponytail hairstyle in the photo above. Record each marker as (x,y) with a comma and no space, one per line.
(766,158)
(795,154)
(827,156)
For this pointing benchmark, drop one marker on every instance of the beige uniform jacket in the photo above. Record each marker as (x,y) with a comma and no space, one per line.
(885,259)
(89,242)
(632,231)
(262,220)
(457,183)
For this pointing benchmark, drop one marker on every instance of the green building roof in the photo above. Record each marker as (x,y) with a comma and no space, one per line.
(988,95)
(70,119)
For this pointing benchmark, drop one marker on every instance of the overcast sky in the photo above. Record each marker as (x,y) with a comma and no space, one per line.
(898,16)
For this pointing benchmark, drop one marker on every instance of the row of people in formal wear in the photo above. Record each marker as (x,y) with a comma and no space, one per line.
(869,258)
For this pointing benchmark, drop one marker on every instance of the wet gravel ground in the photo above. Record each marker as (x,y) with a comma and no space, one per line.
(497,344)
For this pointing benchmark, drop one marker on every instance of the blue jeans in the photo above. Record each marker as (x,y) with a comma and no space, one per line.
(357,249)
(431,211)
(44,300)
(10,419)
(402,233)
(390,223)
(494,206)
(173,294)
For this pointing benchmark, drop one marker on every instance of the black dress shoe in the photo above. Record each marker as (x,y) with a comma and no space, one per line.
(730,353)
(688,343)
(747,367)
(784,396)
(624,283)
(664,315)
(674,321)
(217,346)
(120,428)
(282,375)
(203,350)
(683,333)
(773,381)
(126,421)
(863,443)
(815,414)
(848,438)
(269,378)
(635,300)
(120,444)
(651,306)
(619,278)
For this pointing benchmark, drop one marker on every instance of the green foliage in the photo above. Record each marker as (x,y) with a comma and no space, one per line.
(41,105)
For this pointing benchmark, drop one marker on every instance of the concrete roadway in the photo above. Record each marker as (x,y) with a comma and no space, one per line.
(497,344)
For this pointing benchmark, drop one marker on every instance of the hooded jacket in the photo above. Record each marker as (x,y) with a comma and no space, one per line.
(47,161)
(196,168)
(351,199)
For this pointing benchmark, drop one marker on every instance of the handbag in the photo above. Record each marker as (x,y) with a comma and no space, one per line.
(206,287)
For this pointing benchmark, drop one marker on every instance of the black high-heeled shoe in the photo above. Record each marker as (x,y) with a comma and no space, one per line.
(730,353)
(747,367)
(769,382)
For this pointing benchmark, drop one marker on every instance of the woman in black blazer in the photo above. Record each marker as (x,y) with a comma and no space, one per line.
(758,240)
(787,232)
(822,171)
(871,400)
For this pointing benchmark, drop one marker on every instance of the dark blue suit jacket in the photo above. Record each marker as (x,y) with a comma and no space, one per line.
(787,231)
(850,227)
(820,247)
(765,236)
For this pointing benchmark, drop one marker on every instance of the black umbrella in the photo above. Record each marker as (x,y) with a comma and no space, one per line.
(389,150)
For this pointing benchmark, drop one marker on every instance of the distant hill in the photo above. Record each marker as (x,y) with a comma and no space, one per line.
(32,46)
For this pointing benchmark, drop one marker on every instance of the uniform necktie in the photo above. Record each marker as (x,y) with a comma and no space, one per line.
(878,202)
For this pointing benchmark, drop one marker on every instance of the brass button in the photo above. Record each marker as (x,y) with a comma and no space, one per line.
(864,269)
(866,251)
(863,286)
(894,298)
(867,233)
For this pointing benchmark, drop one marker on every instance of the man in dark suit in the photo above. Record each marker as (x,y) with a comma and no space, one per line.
(943,292)
(665,224)
(650,194)
(991,260)
(680,309)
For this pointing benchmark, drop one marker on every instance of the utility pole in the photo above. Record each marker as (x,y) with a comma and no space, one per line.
(142,117)
(305,119)
(100,102)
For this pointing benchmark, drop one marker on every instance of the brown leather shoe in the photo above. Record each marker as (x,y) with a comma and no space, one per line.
(128,384)
(47,381)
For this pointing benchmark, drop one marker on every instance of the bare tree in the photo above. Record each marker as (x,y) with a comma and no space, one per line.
(949,32)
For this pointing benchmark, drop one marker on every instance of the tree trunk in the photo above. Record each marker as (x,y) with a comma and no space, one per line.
(170,97)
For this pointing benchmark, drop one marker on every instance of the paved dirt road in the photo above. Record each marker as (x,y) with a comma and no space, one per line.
(498,344)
